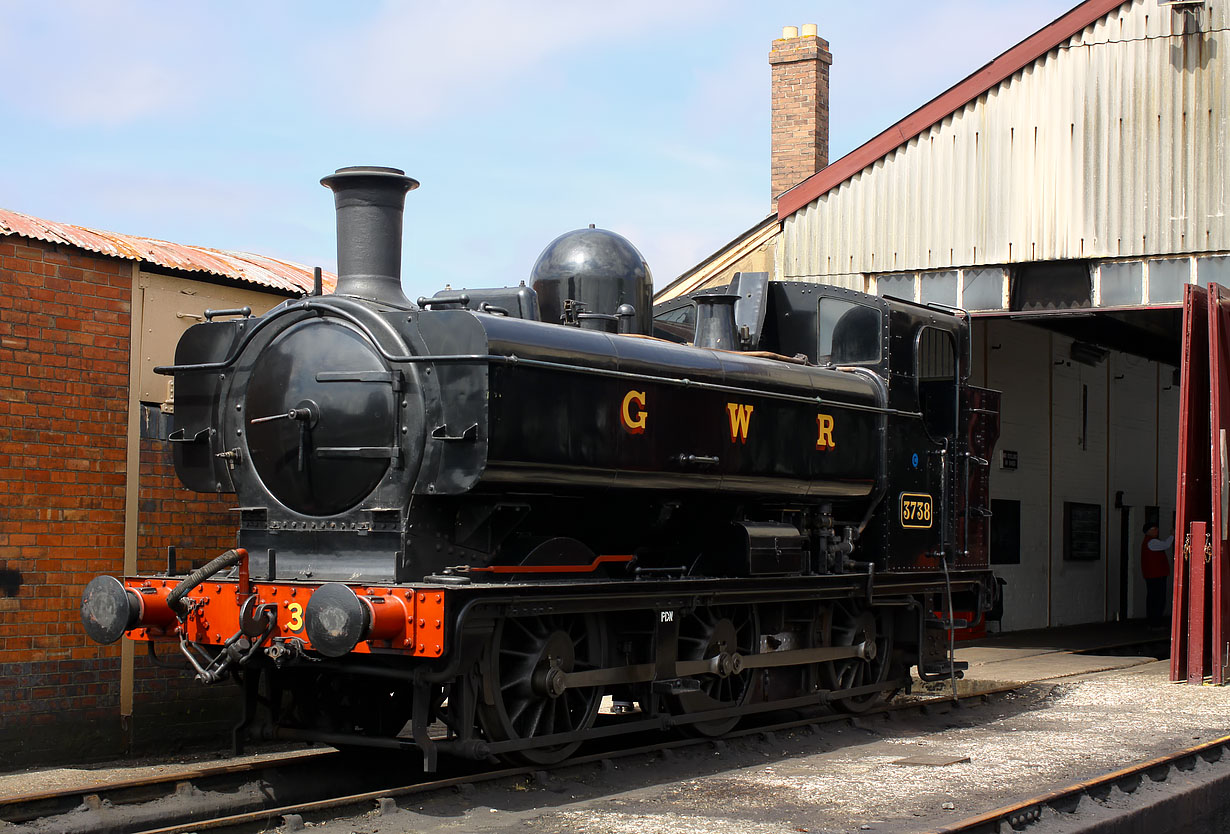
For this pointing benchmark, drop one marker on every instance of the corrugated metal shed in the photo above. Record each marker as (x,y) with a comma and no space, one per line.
(1111,144)
(254,269)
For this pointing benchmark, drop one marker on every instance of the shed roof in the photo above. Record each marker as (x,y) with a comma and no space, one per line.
(264,271)
(701,275)
(945,104)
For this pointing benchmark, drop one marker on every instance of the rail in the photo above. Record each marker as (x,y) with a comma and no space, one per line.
(1067,800)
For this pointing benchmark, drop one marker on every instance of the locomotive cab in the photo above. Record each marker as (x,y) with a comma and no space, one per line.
(938,432)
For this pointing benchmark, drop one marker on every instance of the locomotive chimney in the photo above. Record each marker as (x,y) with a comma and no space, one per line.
(370,202)
(715,321)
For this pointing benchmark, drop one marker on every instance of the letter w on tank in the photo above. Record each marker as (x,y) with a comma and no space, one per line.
(740,421)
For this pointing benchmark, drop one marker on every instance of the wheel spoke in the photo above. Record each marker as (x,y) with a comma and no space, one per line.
(535,722)
(523,628)
(519,708)
(521,653)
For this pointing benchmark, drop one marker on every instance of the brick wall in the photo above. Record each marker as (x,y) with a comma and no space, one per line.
(201,526)
(64,354)
(164,505)
(800,118)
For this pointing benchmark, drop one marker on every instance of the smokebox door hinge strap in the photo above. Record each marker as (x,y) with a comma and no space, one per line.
(393,378)
(358,452)
(441,433)
(180,436)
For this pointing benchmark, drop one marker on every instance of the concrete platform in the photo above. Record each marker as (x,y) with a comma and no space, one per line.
(1057,653)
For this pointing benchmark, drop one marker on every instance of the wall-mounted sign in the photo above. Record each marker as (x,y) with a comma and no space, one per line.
(1008,459)
(1082,531)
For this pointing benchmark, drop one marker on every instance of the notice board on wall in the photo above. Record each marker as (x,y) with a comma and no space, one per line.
(1082,531)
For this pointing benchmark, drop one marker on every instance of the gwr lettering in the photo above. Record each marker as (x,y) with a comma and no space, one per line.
(824,426)
(634,423)
(740,421)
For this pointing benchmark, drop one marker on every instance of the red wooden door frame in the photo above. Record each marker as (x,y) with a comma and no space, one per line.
(1219,394)
(1197,595)
(1193,501)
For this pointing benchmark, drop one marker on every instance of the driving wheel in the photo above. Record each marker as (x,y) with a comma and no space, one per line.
(521,697)
(705,633)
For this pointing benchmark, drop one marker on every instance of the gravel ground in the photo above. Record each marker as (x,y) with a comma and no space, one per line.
(846,780)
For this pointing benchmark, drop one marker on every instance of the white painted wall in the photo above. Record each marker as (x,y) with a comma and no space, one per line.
(1078,473)
(1130,423)
(1017,362)
(1136,466)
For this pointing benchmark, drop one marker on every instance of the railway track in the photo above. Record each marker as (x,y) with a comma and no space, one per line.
(1075,807)
(1157,793)
(266,792)
(138,803)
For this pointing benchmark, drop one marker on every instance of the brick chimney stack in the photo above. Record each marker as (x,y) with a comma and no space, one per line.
(800,64)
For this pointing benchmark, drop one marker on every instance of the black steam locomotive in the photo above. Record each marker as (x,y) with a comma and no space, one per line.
(533,516)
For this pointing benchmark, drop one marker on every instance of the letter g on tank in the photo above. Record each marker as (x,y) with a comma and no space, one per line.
(632,413)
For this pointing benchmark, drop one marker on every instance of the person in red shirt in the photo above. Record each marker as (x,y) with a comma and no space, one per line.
(1155,567)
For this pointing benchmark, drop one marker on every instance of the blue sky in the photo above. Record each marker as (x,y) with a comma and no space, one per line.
(212,123)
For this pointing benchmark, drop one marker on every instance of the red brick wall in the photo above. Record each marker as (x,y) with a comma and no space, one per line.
(64,355)
(800,118)
(164,507)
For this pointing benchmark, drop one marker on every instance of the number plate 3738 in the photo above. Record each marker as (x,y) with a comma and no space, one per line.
(916,510)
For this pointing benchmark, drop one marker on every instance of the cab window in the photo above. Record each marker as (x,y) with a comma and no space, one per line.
(850,333)
(936,372)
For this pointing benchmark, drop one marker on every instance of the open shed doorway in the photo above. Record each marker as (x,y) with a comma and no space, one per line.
(1088,447)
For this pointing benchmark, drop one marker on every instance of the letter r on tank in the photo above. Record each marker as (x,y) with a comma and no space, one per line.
(824,425)
(634,423)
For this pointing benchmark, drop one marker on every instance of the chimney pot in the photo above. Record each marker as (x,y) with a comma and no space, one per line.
(809,30)
(790,31)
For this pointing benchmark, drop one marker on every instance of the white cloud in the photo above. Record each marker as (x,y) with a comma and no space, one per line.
(102,64)
(412,62)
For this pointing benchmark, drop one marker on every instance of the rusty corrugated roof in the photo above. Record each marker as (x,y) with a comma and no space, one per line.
(255,269)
